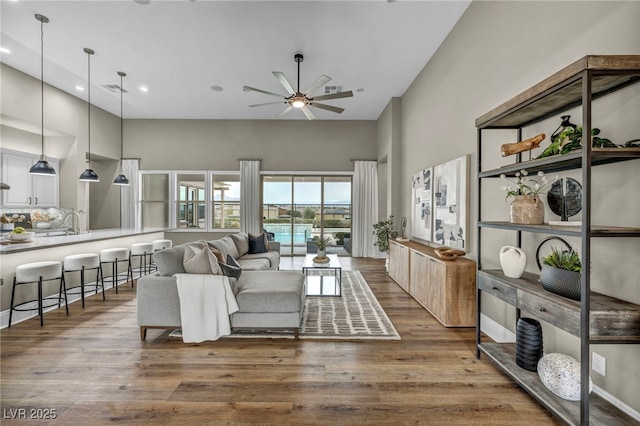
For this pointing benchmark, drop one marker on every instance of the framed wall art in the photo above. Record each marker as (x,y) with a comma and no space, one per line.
(450,203)
(422,204)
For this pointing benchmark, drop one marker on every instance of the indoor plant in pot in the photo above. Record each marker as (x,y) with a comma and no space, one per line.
(527,207)
(384,231)
(560,273)
(321,244)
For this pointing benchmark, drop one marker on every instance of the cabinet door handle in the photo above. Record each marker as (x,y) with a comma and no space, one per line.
(543,310)
(29,201)
(36,203)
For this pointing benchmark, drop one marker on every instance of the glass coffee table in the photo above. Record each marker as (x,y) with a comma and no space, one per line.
(322,279)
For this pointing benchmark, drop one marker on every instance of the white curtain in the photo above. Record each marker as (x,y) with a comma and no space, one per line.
(129,207)
(250,208)
(365,209)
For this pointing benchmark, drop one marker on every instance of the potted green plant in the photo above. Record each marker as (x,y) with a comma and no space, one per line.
(321,244)
(384,230)
(560,273)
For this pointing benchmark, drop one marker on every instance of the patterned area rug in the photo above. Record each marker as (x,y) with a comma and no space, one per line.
(355,315)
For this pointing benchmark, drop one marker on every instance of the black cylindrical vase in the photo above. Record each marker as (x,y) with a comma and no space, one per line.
(528,343)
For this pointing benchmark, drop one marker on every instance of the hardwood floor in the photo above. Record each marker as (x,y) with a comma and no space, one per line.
(92,368)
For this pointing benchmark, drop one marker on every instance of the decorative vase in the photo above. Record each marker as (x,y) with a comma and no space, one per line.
(322,253)
(560,281)
(513,261)
(527,209)
(528,343)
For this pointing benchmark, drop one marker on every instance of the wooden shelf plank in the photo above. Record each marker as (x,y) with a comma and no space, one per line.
(611,319)
(575,231)
(563,90)
(601,412)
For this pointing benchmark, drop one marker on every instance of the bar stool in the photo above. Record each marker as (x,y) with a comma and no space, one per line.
(81,263)
(157,246)
(38,272)
(141,250)
(115,256)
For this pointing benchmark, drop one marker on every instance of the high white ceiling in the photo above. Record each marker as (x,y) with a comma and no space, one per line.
(180,49)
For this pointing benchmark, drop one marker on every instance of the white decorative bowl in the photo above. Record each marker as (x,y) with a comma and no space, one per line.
(560,373)
(22,237)
(43,225)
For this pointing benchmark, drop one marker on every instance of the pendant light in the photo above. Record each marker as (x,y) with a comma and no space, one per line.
(121,179)
(42,167)
(89,175)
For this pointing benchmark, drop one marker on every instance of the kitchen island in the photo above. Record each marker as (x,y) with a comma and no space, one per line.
(43,248)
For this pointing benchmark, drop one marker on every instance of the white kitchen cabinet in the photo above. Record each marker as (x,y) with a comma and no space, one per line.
(27,190)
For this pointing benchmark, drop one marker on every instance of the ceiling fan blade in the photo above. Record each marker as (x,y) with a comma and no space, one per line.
(284,111)
(253,89)
(308,113)
(267,103)
(326,107)
(320,81)
(333,96)
(285,83)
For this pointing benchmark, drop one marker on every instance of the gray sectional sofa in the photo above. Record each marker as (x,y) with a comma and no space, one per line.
(267,297)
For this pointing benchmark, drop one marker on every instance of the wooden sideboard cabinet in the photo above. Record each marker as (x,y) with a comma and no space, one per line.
(447,289)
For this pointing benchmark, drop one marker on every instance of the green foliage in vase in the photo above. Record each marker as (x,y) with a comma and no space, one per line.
(321,243)
(384,231)
(570,140)
(563,259)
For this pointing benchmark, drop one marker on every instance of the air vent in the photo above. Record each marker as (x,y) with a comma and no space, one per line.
(114,88)
(329,90)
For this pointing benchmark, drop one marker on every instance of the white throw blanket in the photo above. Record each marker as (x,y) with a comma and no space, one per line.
(206,301)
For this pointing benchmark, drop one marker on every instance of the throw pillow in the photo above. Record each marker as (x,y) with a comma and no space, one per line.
(232,261)
(169,261)
(258,244)
(242,242)
(231,270)
(200,261)
(218,254)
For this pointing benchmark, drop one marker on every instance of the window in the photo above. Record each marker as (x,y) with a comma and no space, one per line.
(191,201)
(154,199)
(226,201)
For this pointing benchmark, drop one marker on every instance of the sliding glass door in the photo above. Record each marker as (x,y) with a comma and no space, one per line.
(297,208)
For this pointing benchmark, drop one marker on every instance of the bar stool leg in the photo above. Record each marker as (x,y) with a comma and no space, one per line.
(82,286)
(100,275)
(114,279)
(13,293)
(40,302)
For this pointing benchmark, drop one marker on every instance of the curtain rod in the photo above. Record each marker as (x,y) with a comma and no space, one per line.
(249,159)
(361,159)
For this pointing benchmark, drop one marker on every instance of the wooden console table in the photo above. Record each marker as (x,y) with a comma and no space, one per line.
(447,289)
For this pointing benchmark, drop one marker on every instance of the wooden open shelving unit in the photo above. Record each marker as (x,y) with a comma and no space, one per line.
(596,318)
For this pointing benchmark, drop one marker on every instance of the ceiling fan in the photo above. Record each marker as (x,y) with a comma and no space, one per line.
(298,99)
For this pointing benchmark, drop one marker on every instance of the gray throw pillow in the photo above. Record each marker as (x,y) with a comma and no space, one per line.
(242,242)
(200,261)
(231,268)
(232,261)
(169,261)
(258,244)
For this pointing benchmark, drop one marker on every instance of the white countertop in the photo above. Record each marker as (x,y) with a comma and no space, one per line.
(40,242)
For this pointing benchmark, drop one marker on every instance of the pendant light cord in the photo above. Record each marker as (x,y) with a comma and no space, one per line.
(42,87)
(121,127)
(89,107)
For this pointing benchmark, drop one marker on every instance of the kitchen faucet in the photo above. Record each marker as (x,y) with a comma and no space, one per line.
(75,224)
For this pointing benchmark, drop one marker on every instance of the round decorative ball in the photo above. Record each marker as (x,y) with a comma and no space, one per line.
(560,373)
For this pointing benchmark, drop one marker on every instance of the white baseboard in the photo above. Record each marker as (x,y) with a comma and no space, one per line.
(496,330)
(500,334)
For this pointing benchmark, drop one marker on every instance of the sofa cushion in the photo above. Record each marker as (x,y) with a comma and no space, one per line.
(241,239)
(272,256)
(231,268)
(258,244)
(226,246)
(200,261)
(272,291)
(254,264)
(169,261)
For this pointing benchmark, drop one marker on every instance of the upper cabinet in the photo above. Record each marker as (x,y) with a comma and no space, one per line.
(27,190)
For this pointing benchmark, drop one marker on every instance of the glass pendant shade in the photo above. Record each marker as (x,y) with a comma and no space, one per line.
(121,179)
(42,167)
(89,175)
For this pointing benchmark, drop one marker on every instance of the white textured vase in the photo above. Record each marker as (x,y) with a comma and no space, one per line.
(513,261)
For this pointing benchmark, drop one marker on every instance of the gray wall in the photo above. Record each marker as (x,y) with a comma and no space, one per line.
(496,51)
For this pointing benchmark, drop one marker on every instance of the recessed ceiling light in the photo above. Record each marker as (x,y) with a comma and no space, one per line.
(144,89)
(80,88)
(217,88)
(4,50)
(360,89)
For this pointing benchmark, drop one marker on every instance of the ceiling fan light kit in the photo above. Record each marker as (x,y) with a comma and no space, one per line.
(298,99)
